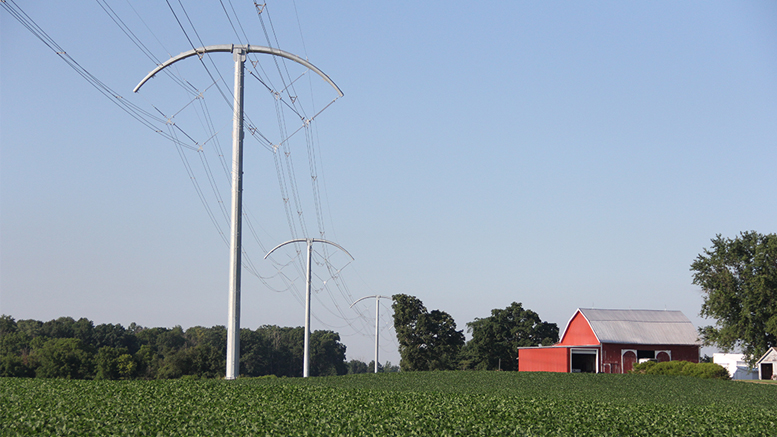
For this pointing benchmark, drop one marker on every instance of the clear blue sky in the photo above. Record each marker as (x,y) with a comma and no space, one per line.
(558,154)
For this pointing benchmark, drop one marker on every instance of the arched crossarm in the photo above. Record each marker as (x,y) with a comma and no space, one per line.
(231,48)
(377,296)
(308,241)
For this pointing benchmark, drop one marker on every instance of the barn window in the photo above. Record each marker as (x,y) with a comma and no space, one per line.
(650,355)
(584,360)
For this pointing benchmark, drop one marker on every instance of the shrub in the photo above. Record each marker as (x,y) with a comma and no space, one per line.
(707,370)
(642,368)
(682,368)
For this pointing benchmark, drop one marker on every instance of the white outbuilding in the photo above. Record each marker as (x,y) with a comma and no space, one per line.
(736,365)
(767,364)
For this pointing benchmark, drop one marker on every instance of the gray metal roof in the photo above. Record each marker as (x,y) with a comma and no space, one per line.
(641,326)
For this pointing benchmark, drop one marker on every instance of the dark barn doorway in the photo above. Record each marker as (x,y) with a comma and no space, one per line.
(584,361)
(767,370)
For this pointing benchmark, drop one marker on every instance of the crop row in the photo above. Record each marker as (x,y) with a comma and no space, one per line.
(325,406)
(623,389)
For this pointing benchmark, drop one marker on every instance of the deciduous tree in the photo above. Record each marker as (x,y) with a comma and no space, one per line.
(327,354)
(357,366)
(65,358)
(14,350)
(738,278)
(496,339)
(427,340)
(115,363)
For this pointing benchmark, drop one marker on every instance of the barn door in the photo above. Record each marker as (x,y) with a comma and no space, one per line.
(767,370)
(628,358)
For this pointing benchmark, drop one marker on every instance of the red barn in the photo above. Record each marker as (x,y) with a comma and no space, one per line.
(612,341)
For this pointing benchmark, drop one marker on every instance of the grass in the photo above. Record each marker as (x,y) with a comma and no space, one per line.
(417,403)
(759,381)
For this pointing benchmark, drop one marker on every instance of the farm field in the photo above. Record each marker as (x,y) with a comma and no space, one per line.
(419,403)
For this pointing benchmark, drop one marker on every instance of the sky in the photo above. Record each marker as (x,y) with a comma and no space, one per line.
(562,155)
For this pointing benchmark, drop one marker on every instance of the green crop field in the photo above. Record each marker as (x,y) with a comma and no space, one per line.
(421,403)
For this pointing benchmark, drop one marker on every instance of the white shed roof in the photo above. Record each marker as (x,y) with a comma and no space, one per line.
(641,326)
(769,357)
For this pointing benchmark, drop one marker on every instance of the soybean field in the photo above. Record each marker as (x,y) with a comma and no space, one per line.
(402,404)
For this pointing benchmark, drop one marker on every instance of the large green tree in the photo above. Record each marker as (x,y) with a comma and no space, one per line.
(496,339)
(68,358)
(427,340)
(114,363)
(327,354)
(739,280)
(14,349)
(271,350)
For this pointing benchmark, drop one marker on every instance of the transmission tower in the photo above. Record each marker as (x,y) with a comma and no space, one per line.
(235,242)
(309,241)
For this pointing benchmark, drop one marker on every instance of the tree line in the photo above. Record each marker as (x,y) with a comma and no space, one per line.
(738,278)
(428,340)
(77,349)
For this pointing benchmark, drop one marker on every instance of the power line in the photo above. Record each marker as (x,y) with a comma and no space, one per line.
(146,118)
(185,140)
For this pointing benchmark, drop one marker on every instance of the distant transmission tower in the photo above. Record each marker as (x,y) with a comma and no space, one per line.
(309,278)
(235,263)
(377,321)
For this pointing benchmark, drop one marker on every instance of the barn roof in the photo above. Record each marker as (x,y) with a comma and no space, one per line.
(640,326)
